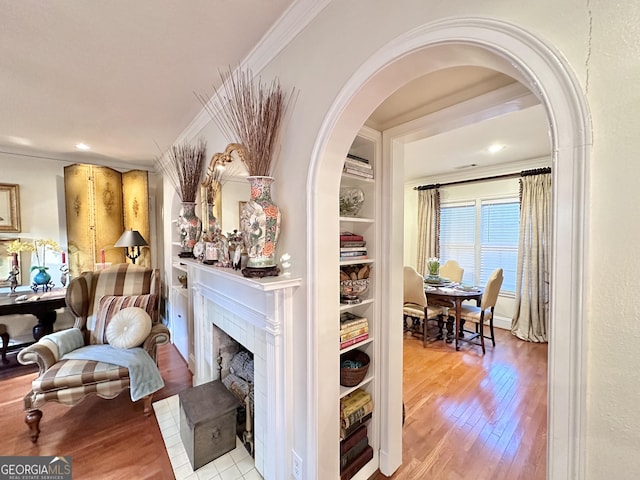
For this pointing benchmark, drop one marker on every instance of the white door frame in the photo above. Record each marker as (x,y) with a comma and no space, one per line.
(447,43)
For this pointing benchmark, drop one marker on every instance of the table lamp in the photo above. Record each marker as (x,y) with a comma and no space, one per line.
(131,240)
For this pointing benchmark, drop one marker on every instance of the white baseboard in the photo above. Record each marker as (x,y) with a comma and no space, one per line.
(502,322)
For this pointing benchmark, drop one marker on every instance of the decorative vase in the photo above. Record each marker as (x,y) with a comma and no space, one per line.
(41,279)
(260,224)
(433,265)
(189,227)
(351,201)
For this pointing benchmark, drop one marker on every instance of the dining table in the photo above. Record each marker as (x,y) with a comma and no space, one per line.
(451,296)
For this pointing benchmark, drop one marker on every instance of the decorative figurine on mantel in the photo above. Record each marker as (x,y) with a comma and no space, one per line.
(13,277)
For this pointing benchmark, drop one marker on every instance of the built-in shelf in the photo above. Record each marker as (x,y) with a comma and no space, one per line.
(357,261)
(180,266)
(357,219)
(366,146)
(350,306)
(344,391)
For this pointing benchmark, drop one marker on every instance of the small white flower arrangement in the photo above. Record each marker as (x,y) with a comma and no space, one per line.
(433,265)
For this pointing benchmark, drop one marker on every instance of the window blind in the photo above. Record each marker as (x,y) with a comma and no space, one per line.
(482,236)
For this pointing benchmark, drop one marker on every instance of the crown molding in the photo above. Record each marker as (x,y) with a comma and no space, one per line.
(299,14)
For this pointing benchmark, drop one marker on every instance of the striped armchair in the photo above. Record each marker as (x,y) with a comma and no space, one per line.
(92,298)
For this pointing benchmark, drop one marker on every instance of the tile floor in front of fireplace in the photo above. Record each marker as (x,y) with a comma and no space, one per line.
(235,465)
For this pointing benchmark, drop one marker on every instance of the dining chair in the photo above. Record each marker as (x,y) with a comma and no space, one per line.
(484,313)
(452,270)
(415,302)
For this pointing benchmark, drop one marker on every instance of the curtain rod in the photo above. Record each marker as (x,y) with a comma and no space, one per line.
(523,173)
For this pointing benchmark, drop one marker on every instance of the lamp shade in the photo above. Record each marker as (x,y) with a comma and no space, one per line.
(131,238)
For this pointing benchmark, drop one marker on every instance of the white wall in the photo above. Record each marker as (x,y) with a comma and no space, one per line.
(601,42)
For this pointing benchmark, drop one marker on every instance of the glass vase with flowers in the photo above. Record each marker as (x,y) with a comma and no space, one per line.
(433,266)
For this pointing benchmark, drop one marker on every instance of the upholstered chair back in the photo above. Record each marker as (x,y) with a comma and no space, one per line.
(93,296)
(414,287)
(452,270)
(491,291)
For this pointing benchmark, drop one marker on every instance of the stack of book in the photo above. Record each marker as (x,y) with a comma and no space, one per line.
(353,329)
(355,409)
(355,452)
(358,166)
(352,246)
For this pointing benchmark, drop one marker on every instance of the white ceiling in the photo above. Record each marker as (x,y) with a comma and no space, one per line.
(118,75)
(460,141)
(121,76)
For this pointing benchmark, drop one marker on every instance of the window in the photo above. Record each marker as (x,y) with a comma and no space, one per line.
(482,236)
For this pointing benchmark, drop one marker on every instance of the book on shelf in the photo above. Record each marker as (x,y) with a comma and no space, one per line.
(348,335)
(346,432)
(352,402)
(348,443)
(348,319)
(350,237)
(356,165)
(352,325)
(357,463)
(359,173)
(349,455)
(356,417)
(351,156)
(348,244)
(353,341)
(360,248)
(355,257)
(353,253)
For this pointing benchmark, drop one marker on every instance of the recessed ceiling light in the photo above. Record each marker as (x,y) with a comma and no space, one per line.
(495,148)
(82,146)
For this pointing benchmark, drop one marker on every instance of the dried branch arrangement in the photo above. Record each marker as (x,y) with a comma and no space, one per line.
(183,167)
(250,112)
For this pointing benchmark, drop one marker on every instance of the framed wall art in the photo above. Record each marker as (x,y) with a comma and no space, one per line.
(9,208)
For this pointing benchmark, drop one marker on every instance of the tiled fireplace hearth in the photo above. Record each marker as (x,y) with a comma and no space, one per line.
(257,314)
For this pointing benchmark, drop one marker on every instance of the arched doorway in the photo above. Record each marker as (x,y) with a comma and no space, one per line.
(502,47)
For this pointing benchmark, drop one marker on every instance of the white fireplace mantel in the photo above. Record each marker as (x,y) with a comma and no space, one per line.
(258,314)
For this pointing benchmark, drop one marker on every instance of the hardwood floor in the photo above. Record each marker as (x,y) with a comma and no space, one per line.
(107,439)
(470,416)
(467,417)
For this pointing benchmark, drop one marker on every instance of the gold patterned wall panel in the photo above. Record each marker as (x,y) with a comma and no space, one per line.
(135,195)
(99,203)
(78,190)
(108,214)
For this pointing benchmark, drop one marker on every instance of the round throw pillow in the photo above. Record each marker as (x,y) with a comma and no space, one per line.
(128,328)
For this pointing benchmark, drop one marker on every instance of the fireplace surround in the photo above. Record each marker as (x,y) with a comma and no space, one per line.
(257,313)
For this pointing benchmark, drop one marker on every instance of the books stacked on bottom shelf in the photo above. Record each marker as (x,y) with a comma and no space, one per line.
(355,409)
(358,166)
(355,452)
(353,329)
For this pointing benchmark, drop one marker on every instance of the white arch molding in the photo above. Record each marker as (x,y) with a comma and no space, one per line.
(450,42)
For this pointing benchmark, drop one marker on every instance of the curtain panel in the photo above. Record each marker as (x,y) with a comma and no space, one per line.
(530,320)
(428,227)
